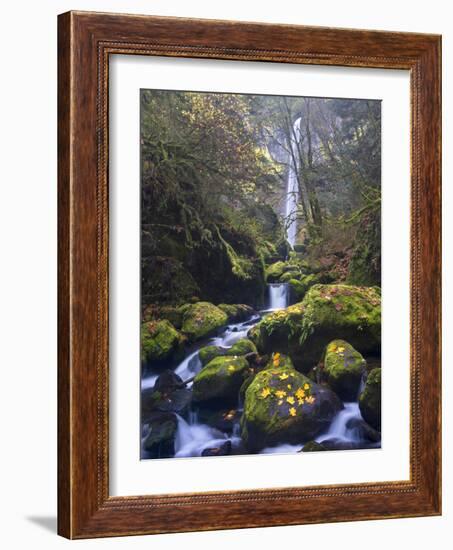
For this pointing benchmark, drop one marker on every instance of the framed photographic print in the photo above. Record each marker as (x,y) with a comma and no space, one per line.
(249,275)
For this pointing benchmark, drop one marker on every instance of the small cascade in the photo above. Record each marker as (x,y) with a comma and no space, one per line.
(292,186)
(343,427)
(192,439)
(278,295)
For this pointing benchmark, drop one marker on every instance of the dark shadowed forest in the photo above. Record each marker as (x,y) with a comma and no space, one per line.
(261,267)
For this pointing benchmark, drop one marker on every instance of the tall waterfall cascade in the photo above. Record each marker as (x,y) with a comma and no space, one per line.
(292,187)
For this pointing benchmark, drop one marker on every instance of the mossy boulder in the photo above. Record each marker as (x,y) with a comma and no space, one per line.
(160,341)
(299,286)
(370,400)
(154,312)
(279,331)
(313,446)
(241,347)
(350,313)
(327,312)
(208,353)
(220,380)
(160,439)
(236,312)
(283,406)
(275,271)
(202,319)
(344,368)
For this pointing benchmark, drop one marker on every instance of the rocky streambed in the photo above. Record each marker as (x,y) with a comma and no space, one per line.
(221,380)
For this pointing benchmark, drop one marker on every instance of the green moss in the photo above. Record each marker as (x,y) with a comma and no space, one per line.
(241,347)
(313,446)
(159,341)
(288,275)
(370,400)
(236,312)
(327,312)
(220,380)
(344,367)
(347,312)
(209,353)
(274,271)
(202,319)
(301,285)
(283,406)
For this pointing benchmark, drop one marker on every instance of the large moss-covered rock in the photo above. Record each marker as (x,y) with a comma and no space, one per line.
(275,271)
(160,439)
(241,347)
(220,380)
(159,341)
(236,312)
(346,312)
(300,285)
(344,368)
(283,406)
(370,400)
(202,319)
(326,313)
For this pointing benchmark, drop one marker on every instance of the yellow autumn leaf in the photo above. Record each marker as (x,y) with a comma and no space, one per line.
(306,386)
(265,392)
(290,400)
(300,393)
(283,376)
(280,402)
(292,411)
(276,355)
(340,349)
(280,394)
(310,400)
(289,386)
(300,401)
(231,368)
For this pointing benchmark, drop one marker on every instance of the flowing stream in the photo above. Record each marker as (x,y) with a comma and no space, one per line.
(194,436)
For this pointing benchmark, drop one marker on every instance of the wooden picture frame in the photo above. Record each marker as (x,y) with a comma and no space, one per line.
(85,42)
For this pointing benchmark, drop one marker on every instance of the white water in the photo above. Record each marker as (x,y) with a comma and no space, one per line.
(278,296)
(292,187)
(193,437)
(338,429)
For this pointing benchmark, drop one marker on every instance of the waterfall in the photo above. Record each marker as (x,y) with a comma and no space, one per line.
(346,426)
(278,295)
(292,187)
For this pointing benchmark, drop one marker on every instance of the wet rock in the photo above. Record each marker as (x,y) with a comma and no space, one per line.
(220,380)
(283,406)
(221,450)
(363,430)
(202,319)
(312,446)
(370,400)
(243,346)
(344,368)
(327,312)
(160,441)
(160,341)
